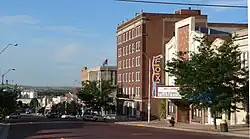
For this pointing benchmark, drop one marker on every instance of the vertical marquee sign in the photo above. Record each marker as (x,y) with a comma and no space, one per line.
(156,66)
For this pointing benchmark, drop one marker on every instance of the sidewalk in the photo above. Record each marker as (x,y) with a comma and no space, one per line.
(238,130)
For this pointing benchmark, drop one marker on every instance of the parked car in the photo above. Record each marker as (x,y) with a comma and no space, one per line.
(98,117)
(88,117)
(52,115)
(65,116)
(13,116)
(110,117)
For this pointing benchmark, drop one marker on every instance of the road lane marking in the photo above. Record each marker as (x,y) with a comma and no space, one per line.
(141,125)
(142,134)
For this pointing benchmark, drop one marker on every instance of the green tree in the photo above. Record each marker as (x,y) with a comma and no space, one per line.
(34,104)
(97,95)
(210,78)
(20,104)
(8,97)
(71,108)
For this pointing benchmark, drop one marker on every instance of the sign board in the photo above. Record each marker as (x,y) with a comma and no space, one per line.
(156,68)
(167,92)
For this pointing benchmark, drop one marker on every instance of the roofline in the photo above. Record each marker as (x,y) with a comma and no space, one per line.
(228,24)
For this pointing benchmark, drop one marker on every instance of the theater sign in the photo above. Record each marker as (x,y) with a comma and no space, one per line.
(166,92)
(156,67)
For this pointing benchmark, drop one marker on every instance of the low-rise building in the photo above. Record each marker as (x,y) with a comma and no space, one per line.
(184,40)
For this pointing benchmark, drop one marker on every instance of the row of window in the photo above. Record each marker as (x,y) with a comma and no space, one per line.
(129,63)
(132,91)
(126,36)
(245,59)
(129,77)
(129,49)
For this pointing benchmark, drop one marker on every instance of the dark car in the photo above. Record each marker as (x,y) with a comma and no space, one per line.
(52,115)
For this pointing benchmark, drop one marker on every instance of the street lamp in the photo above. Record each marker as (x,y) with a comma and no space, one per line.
(6,73)
(149,85)
(7,47)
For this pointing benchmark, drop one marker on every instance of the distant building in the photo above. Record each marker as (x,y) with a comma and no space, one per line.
(98,73)
(27,95)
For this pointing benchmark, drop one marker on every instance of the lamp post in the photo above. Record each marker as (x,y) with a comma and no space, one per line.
(6,73)
(149,85)
(7,47)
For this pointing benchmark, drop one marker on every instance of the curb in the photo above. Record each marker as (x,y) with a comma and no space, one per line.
(189,130)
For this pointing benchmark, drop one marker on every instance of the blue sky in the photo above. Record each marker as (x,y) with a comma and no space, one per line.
(58,37)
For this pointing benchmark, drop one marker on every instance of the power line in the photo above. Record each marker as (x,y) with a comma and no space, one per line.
(189,4)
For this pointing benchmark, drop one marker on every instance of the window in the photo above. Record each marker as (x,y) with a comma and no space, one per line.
(123,53)
(132,63)
(119,52)
(137,62)
(139,59)
(137,91)
(129,35)
(123,64)
(123,78)
(129,49)
(126,50)
(126,63)
(132,77)
(123,37)
(126,77)
(126,36)
(136,31)
(138,46)
(137,78)
(123,90)
(139,30)
(119,78)
(133,47)
(126,91)
(129,76)
(119,65)
(132,91)
(133,33)
(129,91)
(129,61)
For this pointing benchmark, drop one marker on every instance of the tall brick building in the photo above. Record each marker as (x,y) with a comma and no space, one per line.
(138,39)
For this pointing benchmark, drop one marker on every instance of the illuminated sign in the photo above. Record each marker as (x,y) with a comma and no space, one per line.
(156,66)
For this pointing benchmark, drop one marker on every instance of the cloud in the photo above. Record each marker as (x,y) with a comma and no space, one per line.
(18,19)
(38,25)
(67,30)
(67,54)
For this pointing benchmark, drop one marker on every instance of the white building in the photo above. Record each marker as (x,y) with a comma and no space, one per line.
(184,40)
(27,95)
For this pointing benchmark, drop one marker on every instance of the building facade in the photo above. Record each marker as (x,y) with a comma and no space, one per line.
(184,40)
(26,96)
(100,73)
(138,40)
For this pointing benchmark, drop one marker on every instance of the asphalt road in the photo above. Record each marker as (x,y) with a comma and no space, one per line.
(42,128)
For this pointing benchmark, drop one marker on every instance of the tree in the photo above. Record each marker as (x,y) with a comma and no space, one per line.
(210,78)
(71,108)
(34,104)
(20,104)
(97,95)
(8,97)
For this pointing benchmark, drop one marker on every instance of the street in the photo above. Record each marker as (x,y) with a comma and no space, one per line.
(42,128)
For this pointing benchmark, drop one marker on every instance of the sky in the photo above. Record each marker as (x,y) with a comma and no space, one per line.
(57,38)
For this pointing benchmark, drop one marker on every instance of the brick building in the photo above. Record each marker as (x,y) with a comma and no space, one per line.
(138,39)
